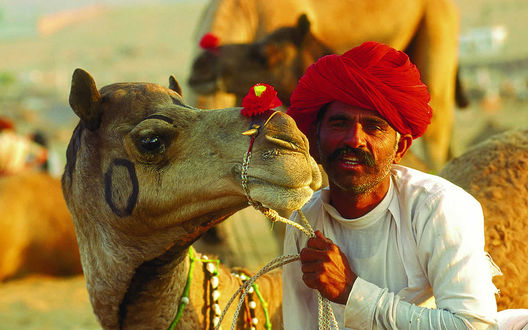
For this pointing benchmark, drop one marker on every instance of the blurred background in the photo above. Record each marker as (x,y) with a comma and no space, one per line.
(42,42)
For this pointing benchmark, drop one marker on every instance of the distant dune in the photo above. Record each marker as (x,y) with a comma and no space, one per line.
(49,24)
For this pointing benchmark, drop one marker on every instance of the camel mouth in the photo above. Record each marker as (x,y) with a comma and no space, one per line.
(280,197)
(258,181)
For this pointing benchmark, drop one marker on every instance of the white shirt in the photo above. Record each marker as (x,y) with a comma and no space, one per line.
(425,236)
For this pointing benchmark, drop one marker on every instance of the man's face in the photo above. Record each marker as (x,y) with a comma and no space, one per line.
(356,147)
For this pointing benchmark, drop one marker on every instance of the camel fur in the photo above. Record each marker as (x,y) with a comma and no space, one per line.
(37,229)
(427,30)
(495,173)
(147,175)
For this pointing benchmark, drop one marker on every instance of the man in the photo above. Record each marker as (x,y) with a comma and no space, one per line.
(388,237)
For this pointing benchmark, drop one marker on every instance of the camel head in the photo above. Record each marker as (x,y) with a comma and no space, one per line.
(279,59)
(147,174)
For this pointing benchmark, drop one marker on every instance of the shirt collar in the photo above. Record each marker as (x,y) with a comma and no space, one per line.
(367,219)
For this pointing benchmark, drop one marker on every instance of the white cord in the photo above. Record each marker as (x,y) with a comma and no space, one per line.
(326,315)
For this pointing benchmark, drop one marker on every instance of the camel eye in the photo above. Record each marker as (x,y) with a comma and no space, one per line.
(152,144)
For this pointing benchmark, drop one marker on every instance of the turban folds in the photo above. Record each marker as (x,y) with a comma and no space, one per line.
(372,76)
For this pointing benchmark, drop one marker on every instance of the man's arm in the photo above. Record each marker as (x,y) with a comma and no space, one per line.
(326,269)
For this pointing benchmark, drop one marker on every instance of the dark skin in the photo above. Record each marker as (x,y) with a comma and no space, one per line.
(356,148)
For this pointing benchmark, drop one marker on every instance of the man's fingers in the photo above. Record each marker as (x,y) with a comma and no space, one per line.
(319,242)
(311,267)
(311,255)
(311,280)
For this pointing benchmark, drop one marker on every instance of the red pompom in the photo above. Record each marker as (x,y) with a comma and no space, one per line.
(209,41)
(6,124)
(261,97)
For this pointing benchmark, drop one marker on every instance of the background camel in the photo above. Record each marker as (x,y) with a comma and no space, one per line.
(279,59)
(37,229)
(427,30)
(495,173)
(146,175)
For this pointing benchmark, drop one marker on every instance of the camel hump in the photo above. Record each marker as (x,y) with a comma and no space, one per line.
(85,99)
(174,85)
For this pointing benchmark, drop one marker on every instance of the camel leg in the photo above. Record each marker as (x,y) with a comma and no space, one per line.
(434,50)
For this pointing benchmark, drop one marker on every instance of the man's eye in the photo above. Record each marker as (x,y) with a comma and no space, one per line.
(339,123)
(374,128)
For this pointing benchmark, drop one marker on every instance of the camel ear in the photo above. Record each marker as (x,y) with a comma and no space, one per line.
(85,100)
(173,84)
(303,28)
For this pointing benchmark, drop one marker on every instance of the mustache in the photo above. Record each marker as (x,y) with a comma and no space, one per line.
(363,156)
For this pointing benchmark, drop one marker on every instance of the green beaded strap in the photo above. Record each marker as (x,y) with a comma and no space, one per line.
(184,300)
(264,306)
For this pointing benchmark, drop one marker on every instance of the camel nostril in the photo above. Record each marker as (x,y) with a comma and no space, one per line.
(282,130)
(285,142)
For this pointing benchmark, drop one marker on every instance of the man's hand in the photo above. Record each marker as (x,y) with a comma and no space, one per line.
(326,269)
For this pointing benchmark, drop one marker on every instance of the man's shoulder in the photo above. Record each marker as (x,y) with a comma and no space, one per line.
(415,184)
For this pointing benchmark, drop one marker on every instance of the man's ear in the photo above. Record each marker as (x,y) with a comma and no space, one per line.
(404,143)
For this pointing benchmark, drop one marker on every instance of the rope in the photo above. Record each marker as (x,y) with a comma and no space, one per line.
(326,315)
(243,289)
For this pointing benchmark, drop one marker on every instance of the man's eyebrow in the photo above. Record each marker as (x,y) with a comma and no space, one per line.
(367,119)
(375,120)
(338,117)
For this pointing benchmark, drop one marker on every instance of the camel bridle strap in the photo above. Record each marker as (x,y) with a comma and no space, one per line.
(326,317)
(211,267)
(253,132)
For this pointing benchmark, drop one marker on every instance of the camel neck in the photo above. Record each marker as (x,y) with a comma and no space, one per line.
(155,289)
(129,293)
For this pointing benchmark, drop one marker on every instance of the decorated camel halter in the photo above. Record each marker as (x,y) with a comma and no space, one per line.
(261,98)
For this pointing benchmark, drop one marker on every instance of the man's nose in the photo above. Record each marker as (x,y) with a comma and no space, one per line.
(355,137)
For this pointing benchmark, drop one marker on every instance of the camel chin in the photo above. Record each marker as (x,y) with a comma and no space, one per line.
(274,192)
(290,199)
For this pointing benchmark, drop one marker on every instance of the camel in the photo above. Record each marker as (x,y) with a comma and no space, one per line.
(494,172)
(279,59)
(427,30)
(37,229)
(147,175)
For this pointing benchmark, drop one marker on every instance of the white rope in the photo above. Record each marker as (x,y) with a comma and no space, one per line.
(275,263)
(326,315)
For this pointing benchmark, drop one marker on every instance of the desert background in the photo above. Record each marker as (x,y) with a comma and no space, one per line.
(42,42)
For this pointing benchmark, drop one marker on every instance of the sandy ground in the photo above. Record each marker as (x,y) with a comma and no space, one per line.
(44,303)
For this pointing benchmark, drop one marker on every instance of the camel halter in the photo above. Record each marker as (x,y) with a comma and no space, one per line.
(325,313)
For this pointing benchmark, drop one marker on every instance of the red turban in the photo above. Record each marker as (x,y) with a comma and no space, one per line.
(372,76)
